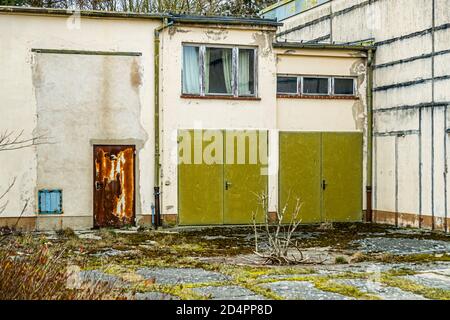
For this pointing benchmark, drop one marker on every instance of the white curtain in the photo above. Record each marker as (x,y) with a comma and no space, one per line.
(191,70)
(244,73)
(227,59)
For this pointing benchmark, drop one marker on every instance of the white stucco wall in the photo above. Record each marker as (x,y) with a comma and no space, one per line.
(71,91)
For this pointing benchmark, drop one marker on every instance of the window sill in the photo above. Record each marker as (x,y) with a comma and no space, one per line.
(316,97)
(50,213)
(219,97)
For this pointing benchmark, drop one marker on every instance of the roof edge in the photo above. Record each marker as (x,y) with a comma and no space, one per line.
(85,13)
(274,6)
(233,20)
(228,20)
(300,45)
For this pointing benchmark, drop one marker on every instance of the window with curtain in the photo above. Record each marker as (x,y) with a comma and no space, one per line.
(219,71)
(191,70)
(246,74)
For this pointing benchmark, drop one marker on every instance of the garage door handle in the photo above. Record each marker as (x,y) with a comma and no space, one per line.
(227,185)
(324,184)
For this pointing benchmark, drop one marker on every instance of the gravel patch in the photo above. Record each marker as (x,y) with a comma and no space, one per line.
(378,289)
(88,236)
(181,275)
(302,290)
(154,296)
(228,293)
(431,280)
(112,253)
(402,246)
(96,276)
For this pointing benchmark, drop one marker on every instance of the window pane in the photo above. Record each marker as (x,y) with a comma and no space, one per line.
(344,86)
(315,85)
(218,70)
(191,70)
(246,69)
(287,85)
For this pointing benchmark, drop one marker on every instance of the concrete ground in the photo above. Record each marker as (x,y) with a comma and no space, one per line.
(342,262)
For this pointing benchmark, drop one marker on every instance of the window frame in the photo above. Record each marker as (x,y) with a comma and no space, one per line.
(299,81)
(331,79)
(329,92)
(344,95)
(45,192)
(234,70)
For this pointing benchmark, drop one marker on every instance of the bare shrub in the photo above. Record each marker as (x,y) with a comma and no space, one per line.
(282,249)
(30,273)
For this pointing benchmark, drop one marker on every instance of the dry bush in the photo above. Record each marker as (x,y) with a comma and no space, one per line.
(37,273)
(282,249)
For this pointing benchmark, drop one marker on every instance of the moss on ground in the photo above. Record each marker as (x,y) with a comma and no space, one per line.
(183,248)
(411,286)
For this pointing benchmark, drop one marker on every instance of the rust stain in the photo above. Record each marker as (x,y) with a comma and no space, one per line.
(410,220)
(135,75)
(114,185)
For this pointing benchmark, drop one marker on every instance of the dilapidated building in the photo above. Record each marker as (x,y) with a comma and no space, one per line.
(191,119)
(411,94)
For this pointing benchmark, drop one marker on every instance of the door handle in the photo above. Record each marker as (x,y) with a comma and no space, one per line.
(324,184)
(227,185)
(98,185)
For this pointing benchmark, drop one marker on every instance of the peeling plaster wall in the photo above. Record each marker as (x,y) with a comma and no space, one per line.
(84,100)
(77,100)
(411,96)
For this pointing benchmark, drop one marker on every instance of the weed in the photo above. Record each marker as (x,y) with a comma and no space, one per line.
(340,260)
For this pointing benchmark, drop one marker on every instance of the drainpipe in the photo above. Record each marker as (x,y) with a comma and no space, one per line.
(157,189)
(369,215)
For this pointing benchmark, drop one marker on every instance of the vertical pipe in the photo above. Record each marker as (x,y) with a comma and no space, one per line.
(331,22)
(369,178)
(420,170)
(156,103)
(157,188)
(445,171)
(396,180)
(433,50)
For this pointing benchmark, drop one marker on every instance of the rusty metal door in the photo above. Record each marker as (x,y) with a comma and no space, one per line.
(114,186)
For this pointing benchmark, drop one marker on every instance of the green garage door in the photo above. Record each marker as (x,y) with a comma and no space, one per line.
(245,179)
(200,194)
(223,191)
(300,175)
(342,173)
(324,170)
